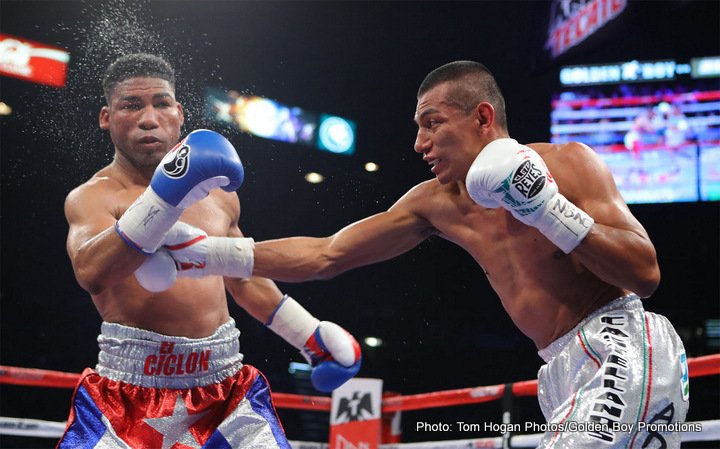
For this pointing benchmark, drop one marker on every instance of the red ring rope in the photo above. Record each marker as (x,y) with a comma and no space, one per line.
(697,367)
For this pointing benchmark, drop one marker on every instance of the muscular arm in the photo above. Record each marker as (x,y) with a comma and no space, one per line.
(99,257)
(258,296)
(371,240)
(617,249)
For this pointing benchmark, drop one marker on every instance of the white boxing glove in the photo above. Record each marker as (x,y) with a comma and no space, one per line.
(189,252)
(513,176)
(197,255)
(157,273)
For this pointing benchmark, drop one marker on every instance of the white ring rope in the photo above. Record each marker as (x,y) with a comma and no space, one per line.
(52,429)
(31,427)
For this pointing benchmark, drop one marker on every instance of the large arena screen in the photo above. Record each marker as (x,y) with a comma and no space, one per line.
(656,124)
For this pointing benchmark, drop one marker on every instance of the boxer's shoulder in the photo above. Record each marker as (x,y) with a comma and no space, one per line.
(425,190)
(103,188)
(550,151)
(433,194)
(105,180)
(570,163)
(417,200)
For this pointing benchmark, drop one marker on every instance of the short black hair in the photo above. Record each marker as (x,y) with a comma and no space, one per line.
(474,83)
(136,65)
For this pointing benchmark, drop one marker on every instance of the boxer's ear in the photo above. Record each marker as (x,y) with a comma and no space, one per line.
(484,114)
(104,118)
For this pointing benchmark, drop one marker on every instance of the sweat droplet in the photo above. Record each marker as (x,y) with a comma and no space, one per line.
(67,118)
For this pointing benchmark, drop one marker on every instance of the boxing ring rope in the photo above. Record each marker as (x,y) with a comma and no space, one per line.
(697,367)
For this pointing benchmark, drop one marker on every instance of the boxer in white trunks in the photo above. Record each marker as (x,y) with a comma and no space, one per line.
(558,244)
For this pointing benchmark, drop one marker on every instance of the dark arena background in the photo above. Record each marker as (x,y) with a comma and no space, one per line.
(437,323)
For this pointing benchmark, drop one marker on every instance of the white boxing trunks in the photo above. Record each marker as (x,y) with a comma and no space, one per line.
(153,391)
(618,380)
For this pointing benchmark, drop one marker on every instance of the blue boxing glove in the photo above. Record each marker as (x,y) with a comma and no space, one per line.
(203,161)
(333,353)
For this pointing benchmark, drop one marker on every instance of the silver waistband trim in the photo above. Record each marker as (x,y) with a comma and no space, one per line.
(148,359)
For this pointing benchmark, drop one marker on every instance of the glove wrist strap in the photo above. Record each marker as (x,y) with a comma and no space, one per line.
(292,322)
(145,223)
(230,256)
(564,224)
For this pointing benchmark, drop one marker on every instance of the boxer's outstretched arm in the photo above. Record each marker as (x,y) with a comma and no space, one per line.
(298,259)
(373,239)
(617,249)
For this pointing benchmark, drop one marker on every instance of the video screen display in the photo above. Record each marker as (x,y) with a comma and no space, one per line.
(272,120)
(660,138)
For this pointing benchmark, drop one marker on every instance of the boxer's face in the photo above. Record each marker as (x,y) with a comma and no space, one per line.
(447,137)
(144,120)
